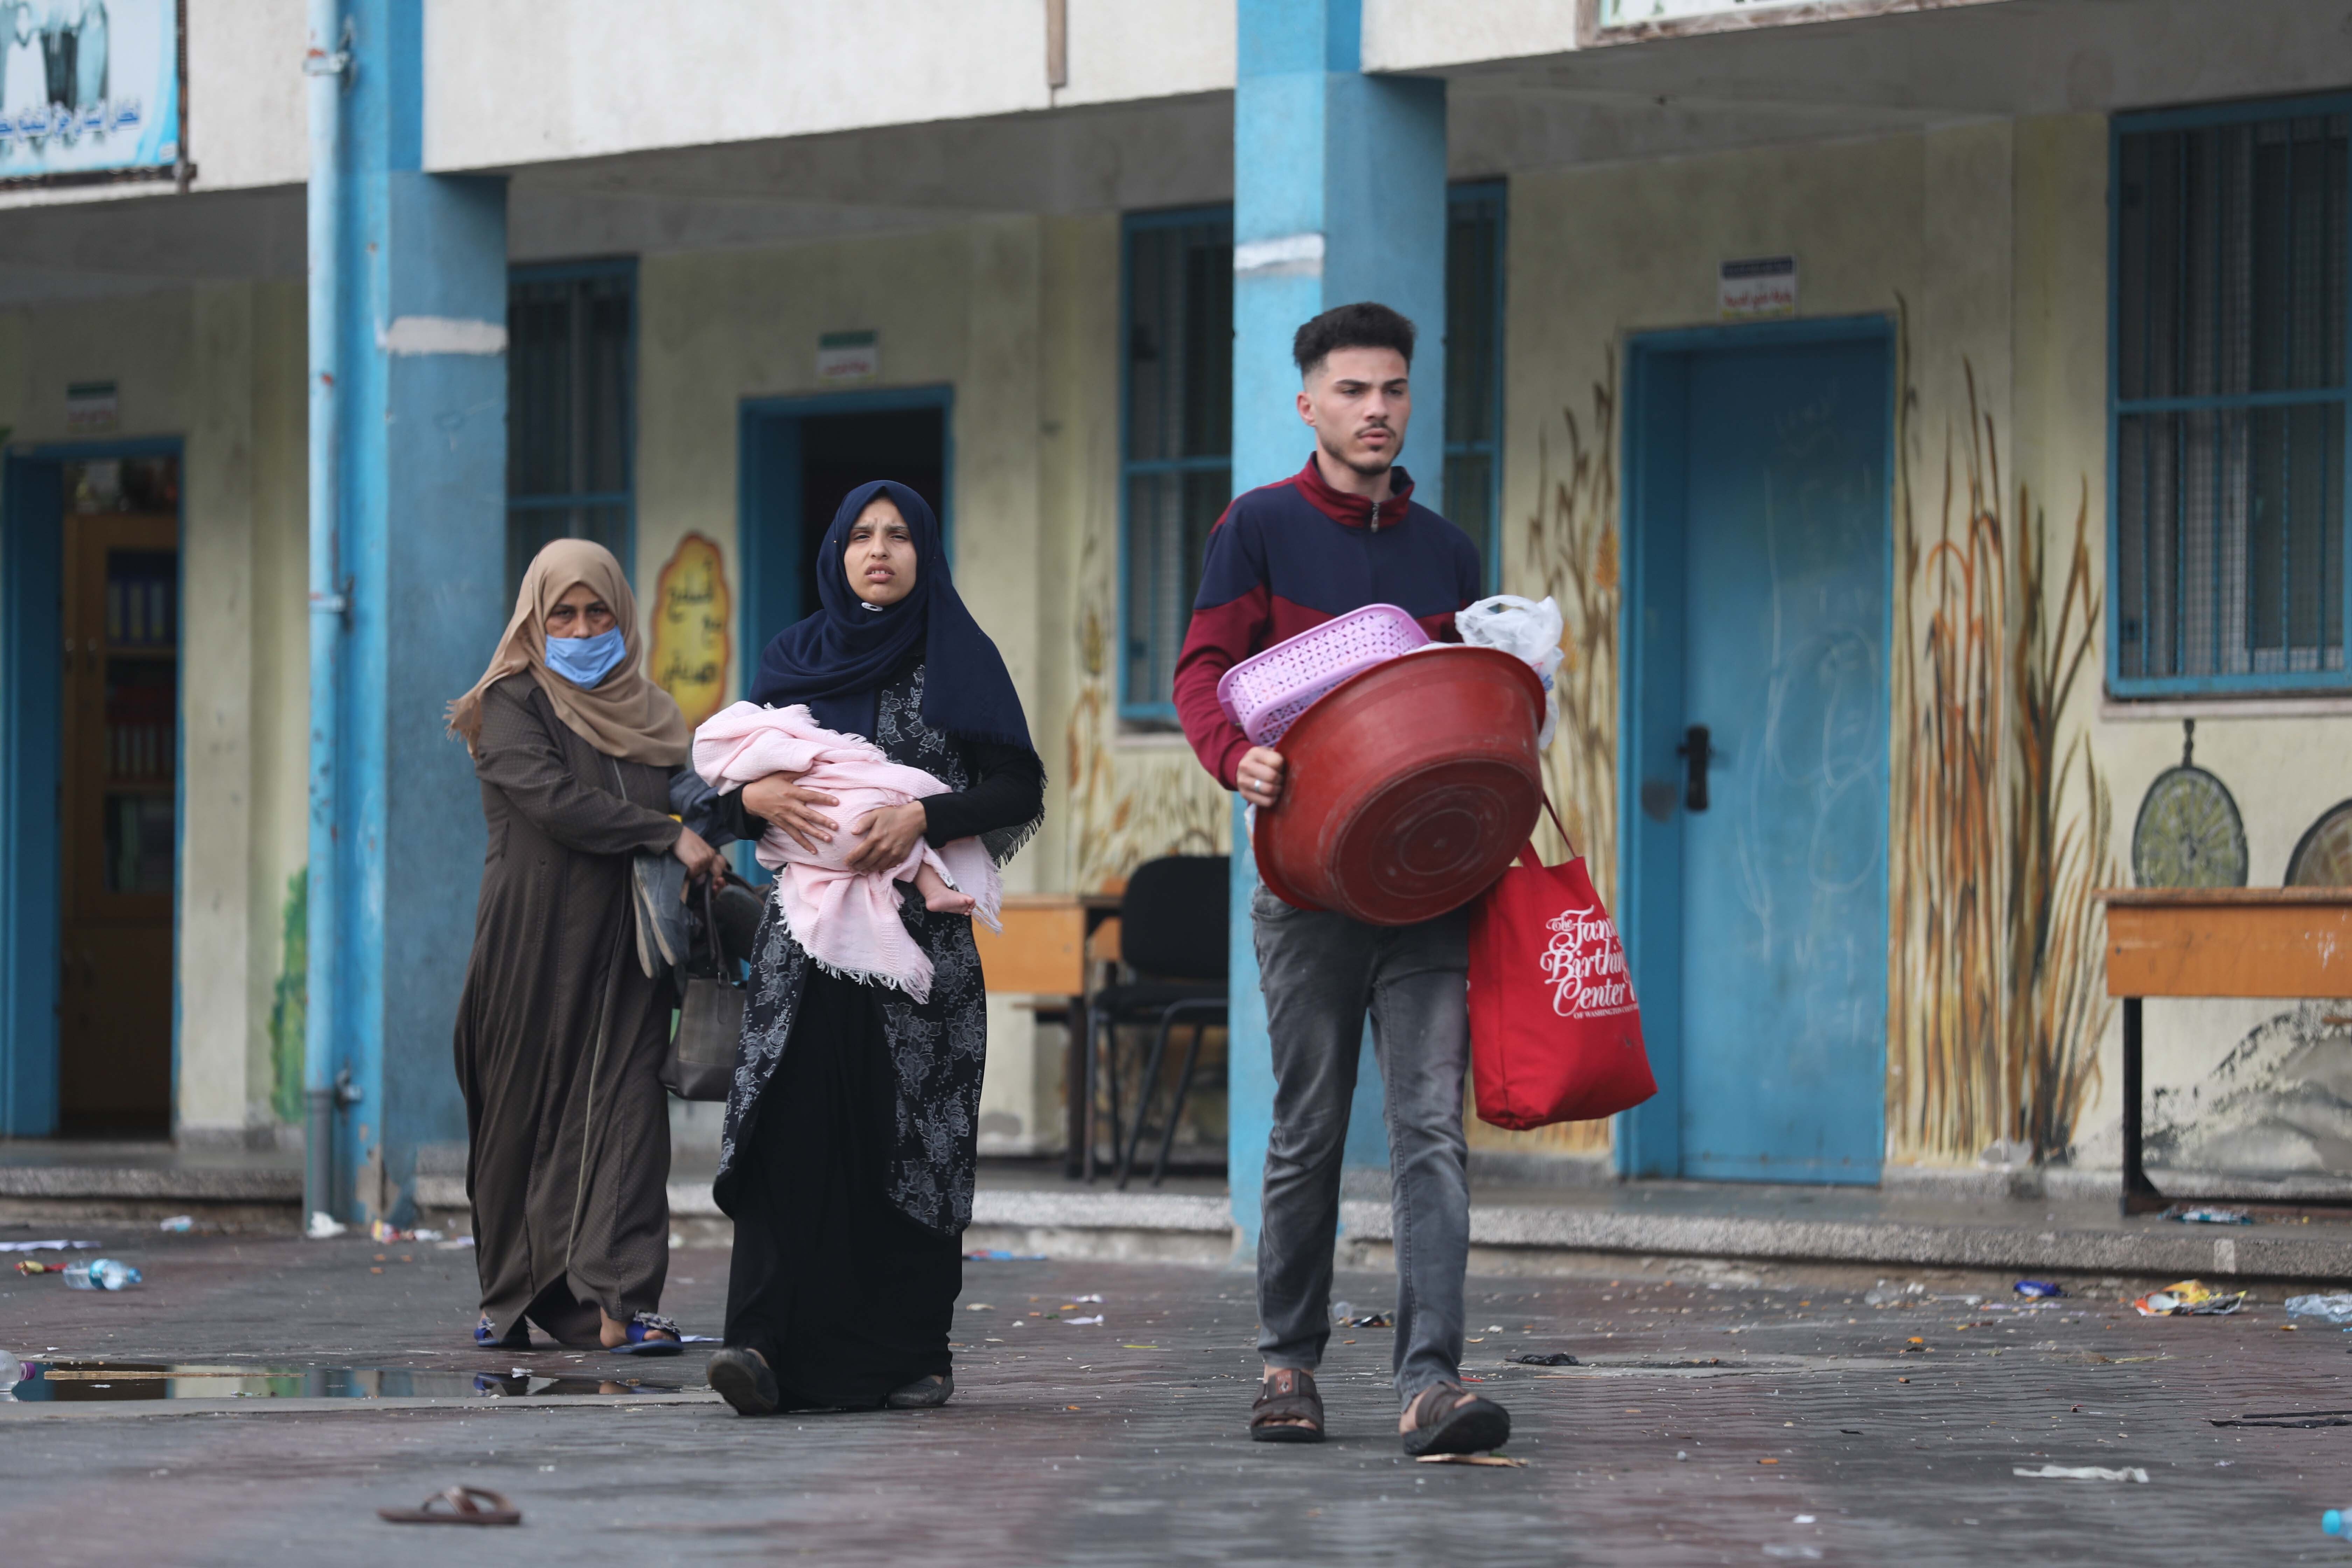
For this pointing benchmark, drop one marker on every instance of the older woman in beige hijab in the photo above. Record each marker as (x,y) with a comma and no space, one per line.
(561,1032)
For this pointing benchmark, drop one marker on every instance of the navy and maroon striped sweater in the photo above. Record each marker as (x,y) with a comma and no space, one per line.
(1291,556)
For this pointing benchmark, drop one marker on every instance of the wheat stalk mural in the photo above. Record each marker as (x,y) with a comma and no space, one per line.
(2002,820)
(1570,551)
(1570,554)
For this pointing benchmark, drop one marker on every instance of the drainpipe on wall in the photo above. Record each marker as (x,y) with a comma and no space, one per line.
(325,63)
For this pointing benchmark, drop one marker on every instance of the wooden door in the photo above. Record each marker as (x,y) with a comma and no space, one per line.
(117,810)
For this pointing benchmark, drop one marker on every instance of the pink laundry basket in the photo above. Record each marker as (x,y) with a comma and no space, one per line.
(1265,692)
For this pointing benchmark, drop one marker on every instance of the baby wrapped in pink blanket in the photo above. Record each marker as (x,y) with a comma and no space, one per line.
(847,921)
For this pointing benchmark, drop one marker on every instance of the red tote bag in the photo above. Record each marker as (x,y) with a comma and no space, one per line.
(1555,1033)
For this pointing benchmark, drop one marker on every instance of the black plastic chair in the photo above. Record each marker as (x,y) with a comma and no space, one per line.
(1174,938)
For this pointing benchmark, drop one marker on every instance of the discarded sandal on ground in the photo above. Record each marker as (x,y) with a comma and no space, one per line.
(741,1378)
(1449,1419)
(923,1394)
(486,1334)
(641,1341)
(1288,1409)
(459,1505)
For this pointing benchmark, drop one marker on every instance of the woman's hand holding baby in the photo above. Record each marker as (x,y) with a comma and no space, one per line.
(780,800)
(886,837)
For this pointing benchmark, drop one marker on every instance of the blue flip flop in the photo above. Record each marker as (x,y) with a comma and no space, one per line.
(486,1336)
(640,1342)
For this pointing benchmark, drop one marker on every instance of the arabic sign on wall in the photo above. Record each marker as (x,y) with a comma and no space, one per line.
(89,88)
(1756,285)
(690,628)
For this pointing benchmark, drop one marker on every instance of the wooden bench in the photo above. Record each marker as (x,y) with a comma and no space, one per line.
(2271,943)
(1053,946)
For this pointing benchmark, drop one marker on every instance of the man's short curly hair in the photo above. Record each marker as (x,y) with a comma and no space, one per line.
(1362,325)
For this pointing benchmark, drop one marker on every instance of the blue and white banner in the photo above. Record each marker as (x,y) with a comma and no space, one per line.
(88,87)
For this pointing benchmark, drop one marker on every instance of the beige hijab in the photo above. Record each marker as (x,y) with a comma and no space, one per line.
(625,715)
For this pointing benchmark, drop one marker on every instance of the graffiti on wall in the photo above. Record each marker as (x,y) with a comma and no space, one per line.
(2002,822)
(1124,808)
(1569,552)
(692,620)
(289,1001)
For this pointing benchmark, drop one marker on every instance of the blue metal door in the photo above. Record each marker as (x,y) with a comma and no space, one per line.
(1785,628)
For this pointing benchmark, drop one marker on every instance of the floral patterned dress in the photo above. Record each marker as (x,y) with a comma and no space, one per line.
(851,1136)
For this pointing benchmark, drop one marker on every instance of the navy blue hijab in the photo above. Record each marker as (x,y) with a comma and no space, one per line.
(837,659)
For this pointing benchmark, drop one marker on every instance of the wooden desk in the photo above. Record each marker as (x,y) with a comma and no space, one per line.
(1042,952)
(2283,942)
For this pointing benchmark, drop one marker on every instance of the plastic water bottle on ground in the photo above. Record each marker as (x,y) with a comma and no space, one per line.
(12,1370)
(102,1274)
(2332,1521)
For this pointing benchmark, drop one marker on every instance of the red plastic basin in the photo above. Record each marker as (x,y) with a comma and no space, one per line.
(1410,787)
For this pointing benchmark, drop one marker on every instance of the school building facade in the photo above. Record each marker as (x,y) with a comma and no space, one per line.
(1923,410)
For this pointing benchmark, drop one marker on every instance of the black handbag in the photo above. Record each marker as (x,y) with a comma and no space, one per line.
(701,1060)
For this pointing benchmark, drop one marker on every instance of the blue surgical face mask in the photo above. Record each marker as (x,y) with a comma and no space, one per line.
(586,661)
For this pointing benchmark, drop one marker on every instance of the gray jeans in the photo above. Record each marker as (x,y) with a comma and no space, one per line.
(1321,973)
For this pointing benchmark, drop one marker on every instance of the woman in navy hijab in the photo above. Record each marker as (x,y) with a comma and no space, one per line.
(848,1159)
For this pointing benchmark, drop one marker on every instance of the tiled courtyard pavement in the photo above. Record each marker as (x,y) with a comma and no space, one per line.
(1729,1417)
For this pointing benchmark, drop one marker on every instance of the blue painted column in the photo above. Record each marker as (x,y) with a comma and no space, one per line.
(1339,195)
(421,323)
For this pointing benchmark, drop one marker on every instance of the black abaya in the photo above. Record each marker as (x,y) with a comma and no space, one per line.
(844,1296)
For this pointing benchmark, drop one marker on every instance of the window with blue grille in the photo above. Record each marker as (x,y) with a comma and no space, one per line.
(1474,368)
(2227,420)
(1176,460)
(571,427)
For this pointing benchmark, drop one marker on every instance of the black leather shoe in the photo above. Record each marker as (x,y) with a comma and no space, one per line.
(923,1394)
(743,1379)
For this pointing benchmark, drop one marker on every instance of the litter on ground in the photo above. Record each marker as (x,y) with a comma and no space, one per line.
(455,1505)
(2186,1215)
(2335,1308)
(2082,1473)
(2189,1297)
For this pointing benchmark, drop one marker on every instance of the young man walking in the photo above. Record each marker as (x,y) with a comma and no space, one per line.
(1343,533)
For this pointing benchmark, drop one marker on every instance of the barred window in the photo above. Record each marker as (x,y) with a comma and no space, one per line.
(1473,367)
(1176,460)
(571,352)
(2228,413)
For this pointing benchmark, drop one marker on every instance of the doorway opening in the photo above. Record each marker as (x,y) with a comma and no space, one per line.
(1759,586)
(93,700)
(801,457)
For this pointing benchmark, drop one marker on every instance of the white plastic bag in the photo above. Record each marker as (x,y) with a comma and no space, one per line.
(1526,630)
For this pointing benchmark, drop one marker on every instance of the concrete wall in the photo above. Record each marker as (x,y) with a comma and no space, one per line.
(221,367)
(249,116)
(607,76)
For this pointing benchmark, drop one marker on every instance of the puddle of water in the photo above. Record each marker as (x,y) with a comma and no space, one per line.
(56,1381)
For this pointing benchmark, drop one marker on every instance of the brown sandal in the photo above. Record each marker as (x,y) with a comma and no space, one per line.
(1467,1424)
(1288,1409)
(462,1509)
